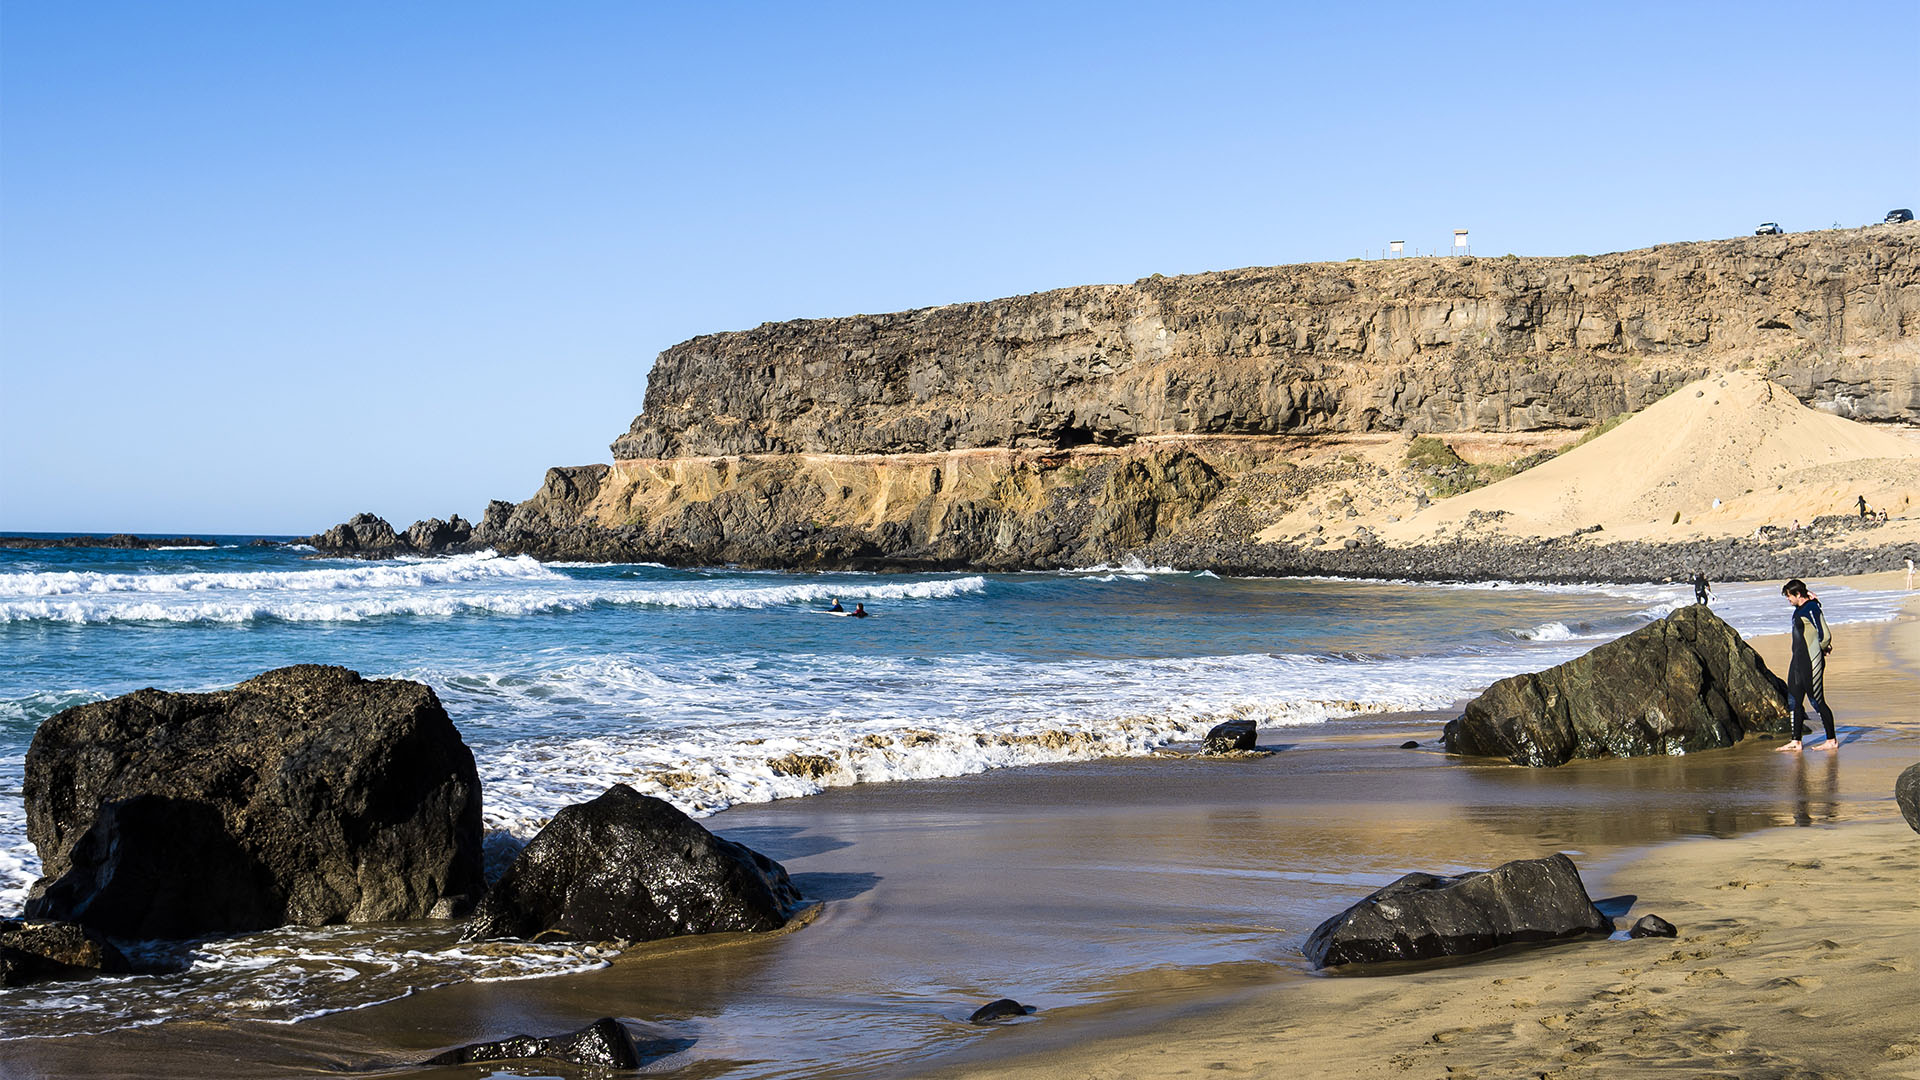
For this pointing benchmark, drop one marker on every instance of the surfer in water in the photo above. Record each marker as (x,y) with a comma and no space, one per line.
(860,611)
(836,607)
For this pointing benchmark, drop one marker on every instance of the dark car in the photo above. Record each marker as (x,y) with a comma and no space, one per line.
(1897,217)
(1768,228)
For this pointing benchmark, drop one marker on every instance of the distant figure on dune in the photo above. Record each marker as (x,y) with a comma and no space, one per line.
(1863,506)
(1702,592)
(1806,675)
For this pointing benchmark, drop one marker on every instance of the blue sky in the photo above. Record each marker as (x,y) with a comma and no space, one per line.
(263,266)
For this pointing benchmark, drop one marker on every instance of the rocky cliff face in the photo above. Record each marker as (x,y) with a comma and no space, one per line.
(1188,414)
(1418,344)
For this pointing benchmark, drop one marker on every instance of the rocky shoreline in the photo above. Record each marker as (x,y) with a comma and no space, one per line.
(118,541)
(1827,547)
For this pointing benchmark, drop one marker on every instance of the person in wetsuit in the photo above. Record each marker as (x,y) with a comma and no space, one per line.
(1701,590)
(1806,675)
(860,611)
(836,607)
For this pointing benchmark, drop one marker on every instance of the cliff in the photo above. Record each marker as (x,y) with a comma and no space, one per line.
(1432,344)
(1255,418)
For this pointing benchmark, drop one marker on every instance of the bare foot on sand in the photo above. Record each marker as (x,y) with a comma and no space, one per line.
(1830,744)
(1794,745)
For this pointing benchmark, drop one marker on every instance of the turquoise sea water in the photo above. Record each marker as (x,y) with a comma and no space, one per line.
(696,685)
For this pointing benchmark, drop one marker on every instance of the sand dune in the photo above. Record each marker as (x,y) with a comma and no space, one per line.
(1726,455)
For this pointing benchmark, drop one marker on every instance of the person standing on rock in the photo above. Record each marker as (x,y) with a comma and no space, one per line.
(1863,507)
(1806,674)
(1702,592)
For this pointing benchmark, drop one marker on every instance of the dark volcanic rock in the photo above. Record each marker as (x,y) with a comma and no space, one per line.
(33,951)
(1906,792)
(1230,736)
(1685,683)
(1652,926)
(433,535)
(361,534)
(630,867)
(118,541)
(1410,744)
(304,795)
(999,1009)
(604,1043)
(1422,916)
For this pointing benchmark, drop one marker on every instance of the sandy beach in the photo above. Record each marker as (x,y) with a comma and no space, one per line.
(1152,909)
(1796,957)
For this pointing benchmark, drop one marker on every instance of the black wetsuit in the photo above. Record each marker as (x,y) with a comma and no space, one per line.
(1699,588)
(1806,675)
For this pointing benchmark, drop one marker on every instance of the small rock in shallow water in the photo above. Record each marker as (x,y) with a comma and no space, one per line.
(604,1043)
(1652,926)
(33,951)
(1231,736)
(997,1010)
(1410,744)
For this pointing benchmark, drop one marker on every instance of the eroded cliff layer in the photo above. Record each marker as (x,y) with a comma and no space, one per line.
(1431,345)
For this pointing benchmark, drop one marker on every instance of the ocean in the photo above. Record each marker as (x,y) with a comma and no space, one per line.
(715,687)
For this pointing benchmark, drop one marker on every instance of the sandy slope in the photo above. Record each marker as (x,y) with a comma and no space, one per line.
(1737,438)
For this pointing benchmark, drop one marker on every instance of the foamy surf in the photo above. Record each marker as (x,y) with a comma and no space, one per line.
(484,584)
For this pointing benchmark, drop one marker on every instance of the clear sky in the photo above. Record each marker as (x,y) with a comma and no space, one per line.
(265,265)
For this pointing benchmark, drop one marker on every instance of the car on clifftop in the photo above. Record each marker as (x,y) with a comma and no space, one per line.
(1768,228)
(1898,217)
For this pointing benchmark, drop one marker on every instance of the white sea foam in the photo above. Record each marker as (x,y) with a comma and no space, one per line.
(1553,631)
(283,976)
(372,575)
(466,584)
(737,730)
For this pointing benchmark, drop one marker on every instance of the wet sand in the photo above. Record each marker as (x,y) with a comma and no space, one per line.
(1153,910)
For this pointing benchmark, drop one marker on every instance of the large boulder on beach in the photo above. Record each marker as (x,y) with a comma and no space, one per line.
(630,867)
(1906,792)
(1424,916)
(1678,685)
(305,795)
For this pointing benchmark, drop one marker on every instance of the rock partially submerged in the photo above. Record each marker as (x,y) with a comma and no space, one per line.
(305,795)
(37,951)
(1423,916)
(1682,684)
(370,536)
(630,867)
(1231,737)
(604,1043)
(999,1009)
